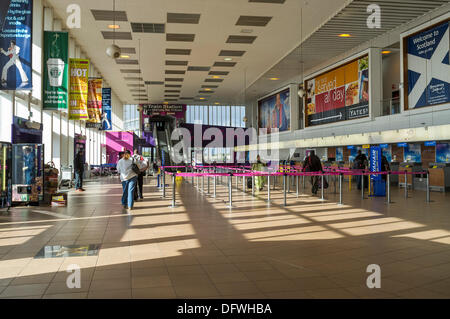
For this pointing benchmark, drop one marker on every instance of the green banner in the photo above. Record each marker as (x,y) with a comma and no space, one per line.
(56,70)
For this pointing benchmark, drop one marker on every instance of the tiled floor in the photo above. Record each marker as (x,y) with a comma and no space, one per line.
(202,249)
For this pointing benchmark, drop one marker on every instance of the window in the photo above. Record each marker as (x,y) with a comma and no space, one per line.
(216,115)
(131,118)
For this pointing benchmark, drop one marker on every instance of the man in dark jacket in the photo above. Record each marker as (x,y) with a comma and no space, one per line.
(360,163)
(313,164)
(78,165)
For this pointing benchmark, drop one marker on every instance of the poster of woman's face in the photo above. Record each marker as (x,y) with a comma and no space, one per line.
(275,112)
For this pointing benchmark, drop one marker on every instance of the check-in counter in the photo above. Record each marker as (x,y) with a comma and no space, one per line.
(409,167)
(439,176)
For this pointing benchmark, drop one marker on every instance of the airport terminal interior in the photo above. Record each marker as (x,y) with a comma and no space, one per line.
(239,149)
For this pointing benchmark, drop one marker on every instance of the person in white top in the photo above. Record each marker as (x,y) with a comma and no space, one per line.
(139,192)
(13,53)
(128,178)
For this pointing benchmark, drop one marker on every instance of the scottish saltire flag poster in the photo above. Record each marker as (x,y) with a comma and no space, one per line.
(429,67)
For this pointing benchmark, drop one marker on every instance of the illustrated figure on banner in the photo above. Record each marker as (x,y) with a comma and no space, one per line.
(105,122)
(14,59)
(279,119)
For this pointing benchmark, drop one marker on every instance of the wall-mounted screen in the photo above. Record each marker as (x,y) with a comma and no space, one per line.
(338,95)
(426,60)
(274,112)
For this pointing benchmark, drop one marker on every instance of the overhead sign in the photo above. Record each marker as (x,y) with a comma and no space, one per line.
(150,109)
(78,96)
(402,144)
(366,146)
(94,103)
(107,110)
(56,70)
(339,95)
(433,143)
(16,45)
(428,66)
(375,162)
(384,145)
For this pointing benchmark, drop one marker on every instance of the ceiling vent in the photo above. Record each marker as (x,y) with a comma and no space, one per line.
(253,21)
(133,79)
(174,80)
(175,72)
(210,86)
(267,1)
(126,61)
(178,51)
(111,35)
(186,98)
(214,80)
(148,27)
(206,92)
(109,15)
(183,18)
(218,73)
(132,85)
(172,91)
(180,37)
(173,85)
(225,64)
(199,68)
(154,82)
(128,50)
(183,63)
(231,53)
(130,71)
(243,39)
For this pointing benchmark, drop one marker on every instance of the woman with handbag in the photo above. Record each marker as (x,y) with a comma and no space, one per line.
(129,170)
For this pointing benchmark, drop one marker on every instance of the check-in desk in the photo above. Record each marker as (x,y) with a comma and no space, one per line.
(410,179)
(439,176)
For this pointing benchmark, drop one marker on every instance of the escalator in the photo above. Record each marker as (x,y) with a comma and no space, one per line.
(162,130)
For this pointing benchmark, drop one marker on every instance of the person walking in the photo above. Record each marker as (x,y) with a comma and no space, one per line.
(139,190)
(78,166)
(360,163)
(312,164)
(128,176)
(260,181)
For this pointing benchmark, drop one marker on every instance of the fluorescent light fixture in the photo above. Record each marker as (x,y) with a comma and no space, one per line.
(113,26)
(207,89)
(228,59)
(344,35)
(274,79)
(125,56)
(386,52)
(216,77)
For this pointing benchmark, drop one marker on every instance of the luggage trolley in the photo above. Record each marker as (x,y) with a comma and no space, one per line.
(66,177)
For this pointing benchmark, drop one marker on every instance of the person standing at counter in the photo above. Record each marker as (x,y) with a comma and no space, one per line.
(360,163)
(312,164)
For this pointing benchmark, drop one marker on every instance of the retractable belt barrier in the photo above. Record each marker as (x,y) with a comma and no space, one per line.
(244,171)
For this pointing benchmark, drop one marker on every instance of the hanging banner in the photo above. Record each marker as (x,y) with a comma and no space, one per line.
(4,7)
(375,162)
(428,66)
(78,94)
(56,70)
(95,103)
(16,45)
(339,95)
(107,109)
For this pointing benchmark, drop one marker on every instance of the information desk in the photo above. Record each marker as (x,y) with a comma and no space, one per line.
(439,176)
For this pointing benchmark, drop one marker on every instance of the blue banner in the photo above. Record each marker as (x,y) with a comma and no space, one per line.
(16,46)
(402,144)
(384,145)
(375,162)
(443,153)
(430,143)
(107,110)
(428,67)
(4,7)
(413,153)
(339,154)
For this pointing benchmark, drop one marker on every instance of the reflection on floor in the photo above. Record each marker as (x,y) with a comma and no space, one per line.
(202,249)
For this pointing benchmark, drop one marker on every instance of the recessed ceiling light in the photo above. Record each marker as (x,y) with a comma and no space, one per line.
(274,79)
(344,35)
(113,26)
(207,89)
(217,103)
(125,56)
(228,59)
(202,98)
(386,52)
(166,102)
(216,77)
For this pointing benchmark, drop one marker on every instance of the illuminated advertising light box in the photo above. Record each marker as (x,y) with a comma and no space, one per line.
(338,95)
(274,112)
(427,67)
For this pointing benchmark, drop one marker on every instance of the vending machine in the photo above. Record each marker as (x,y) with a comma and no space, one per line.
(27,173)
(5,175)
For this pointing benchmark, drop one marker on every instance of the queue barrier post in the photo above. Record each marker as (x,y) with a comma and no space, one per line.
(388,182)
(321,187)
(362,186)
(208,184)
(406,185)
(297,178)
(428,187)
(284,189)
(253,185)
(164,183)
(230,191)
(268,189)
(340,188)
(173,191)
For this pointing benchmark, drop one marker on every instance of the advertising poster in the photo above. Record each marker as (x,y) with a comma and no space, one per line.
(274,112)
(339,154)
(375,162)
(95,87)
(443,153)
(339,95)
(56,70)
(387,152)
(412,153)
(107,109)
(354,152)
(428,64)
(16,45)
(78,94)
